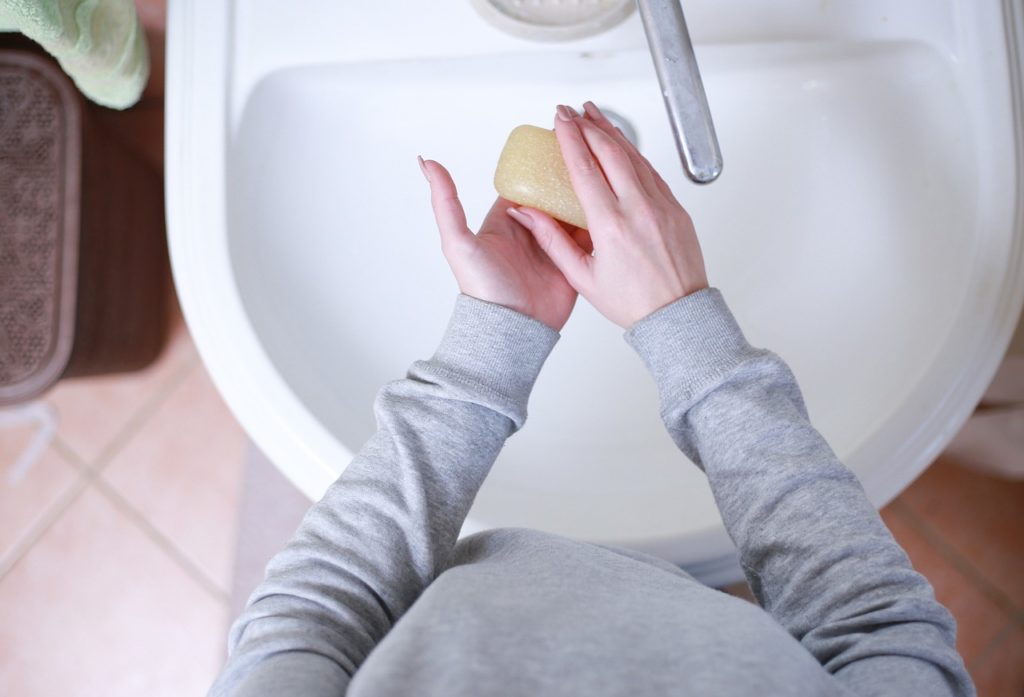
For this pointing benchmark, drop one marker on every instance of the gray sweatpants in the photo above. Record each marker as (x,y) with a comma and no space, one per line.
(374,596)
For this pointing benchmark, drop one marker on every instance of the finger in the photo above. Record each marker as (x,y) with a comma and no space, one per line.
(579,235)
(663,187)
(648,177)
(585,173)
(643,166)
(448,211)
(503,221)
(614,161)
(569,257)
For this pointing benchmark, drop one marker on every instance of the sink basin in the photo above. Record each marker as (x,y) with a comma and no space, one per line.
(866,227)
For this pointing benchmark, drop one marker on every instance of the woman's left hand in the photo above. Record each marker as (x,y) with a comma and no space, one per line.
(503,264)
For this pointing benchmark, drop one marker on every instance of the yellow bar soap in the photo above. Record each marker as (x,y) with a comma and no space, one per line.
(531,172)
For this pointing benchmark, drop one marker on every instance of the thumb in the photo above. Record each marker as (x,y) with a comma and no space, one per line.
(448,211)
(571,259)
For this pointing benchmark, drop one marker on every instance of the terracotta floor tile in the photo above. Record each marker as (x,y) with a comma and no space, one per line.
(1001,672)
(183,472)
(94,411)
(24,502)
(981,517)
(978,619)
(97,608)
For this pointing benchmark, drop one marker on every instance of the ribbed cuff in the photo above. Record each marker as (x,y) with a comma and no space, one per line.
(689,345)
(496,350)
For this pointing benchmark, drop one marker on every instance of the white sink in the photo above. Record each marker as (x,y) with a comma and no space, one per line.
(867,227)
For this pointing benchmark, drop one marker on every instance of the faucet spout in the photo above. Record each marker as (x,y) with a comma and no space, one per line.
(682,88)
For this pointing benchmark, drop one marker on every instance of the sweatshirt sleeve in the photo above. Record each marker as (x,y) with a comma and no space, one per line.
(388,526)
(816,553)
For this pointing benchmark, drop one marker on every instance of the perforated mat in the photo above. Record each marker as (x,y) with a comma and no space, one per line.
(39,195)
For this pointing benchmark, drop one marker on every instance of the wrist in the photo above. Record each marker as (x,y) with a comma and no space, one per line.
(689,344)
(551,314)
(494,352)
(663,300)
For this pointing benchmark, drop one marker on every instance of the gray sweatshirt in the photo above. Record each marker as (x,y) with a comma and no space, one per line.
(375,596)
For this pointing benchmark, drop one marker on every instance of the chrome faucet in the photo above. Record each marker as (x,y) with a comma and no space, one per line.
(682,88)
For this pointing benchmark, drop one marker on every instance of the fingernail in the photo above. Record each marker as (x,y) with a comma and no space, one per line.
(592,109)
(423,167)
(565,113)
(520,217)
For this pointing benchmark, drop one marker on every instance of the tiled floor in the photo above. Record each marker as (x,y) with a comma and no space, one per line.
(116,549)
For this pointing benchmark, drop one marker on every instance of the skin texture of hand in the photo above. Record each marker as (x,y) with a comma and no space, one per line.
(646,253)
(503,263)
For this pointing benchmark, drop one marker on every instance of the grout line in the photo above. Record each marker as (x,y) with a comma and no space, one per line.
(148,407)
(959,562)
(150,404)
(38,528)
(90,473)
(84,477)
(63,449)
(86,472)
(990,648)
(157,537)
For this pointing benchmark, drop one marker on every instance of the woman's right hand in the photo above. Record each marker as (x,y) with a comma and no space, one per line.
(646,253)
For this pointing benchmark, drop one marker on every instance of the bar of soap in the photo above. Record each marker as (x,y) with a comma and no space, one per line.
(531,172)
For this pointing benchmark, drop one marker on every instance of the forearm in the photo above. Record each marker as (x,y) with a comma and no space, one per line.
(814,549)
(386,528)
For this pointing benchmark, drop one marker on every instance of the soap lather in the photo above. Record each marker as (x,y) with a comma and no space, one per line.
(531,172)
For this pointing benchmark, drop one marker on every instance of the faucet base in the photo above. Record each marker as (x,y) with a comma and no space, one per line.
(554,20)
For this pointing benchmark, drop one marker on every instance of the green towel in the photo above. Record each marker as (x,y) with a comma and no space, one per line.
(99,43)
